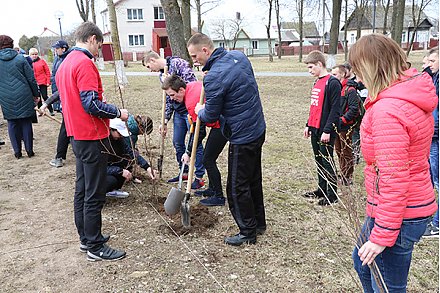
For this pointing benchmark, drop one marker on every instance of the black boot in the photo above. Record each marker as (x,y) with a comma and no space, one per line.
(239,239)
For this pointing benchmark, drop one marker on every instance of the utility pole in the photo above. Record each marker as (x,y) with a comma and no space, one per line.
(323,25)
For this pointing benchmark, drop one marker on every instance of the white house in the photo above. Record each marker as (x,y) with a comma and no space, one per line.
(141,26)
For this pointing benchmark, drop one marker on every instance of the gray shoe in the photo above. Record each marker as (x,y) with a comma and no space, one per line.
(58,162)
(117,194)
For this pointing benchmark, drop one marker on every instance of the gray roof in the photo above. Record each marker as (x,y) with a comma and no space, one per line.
(367,18)
(309,28)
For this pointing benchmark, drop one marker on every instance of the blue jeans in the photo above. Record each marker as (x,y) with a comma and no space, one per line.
(433,162)
(393,262)
(180,129)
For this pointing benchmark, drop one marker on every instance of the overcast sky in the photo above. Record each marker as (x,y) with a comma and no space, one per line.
(29,17)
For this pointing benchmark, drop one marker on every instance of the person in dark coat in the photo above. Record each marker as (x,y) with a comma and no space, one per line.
(18,95)
(232,97)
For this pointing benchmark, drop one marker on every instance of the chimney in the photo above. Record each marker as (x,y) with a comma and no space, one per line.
(237,15)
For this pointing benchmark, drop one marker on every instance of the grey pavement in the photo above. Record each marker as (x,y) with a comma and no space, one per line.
(282,74)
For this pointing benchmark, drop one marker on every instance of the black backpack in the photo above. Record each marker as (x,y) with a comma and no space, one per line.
(358,119)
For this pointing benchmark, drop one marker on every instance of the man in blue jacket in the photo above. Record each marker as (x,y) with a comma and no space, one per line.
(232,97)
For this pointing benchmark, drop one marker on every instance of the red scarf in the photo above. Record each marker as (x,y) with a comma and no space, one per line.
(317,100)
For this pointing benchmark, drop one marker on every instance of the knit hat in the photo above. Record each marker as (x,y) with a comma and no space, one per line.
(6,42)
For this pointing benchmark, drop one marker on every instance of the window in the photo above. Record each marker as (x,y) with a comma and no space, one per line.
(221,44)
(135,14)
(158,13)
(404,37)
(255,45)
(136,40)
(352,39)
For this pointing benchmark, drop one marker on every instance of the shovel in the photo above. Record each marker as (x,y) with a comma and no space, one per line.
(185,208)
(176,195)
(162,138)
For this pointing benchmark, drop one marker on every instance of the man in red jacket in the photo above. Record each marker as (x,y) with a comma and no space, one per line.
(87,123)
(189,94)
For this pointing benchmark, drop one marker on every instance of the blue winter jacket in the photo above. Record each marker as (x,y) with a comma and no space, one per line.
(17,86)
(232,97)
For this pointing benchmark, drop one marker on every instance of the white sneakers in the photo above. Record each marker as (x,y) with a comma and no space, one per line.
(117,194)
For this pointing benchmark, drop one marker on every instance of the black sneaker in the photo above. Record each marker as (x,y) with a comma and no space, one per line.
(239,239)
(2,142)
(18,155)
(105,253)
(213,201)
(314,194)
(83,247)
(207,193)
(261,231)
(30,154)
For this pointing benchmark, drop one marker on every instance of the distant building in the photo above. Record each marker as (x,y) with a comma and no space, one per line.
(141,26)
(423,32)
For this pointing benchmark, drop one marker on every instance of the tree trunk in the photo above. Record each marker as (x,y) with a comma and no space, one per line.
(92,10)
(398,24)
(345,31)
(114,30)
(269,40)
(83,9)
(301,28)
(175,28)
(277,13)
(199,15)
(186,18)
(393,18)
(385,20)
(334,29)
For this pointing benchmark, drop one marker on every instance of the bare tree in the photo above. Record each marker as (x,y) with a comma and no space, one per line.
(345,31)
(174,23)
(92,10)
(278,20)
(269,40)
(235,26)
(83,9)
(186,18)
(220,30)
(359,15)
(386,9)
(301,27)
(416,13)
(202,7)
(334,29)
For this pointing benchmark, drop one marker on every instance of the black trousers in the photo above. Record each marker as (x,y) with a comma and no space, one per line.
(43,95)
(63,142)
(90,189)
(244,187)
(325,165)
(114,182)
(213,147)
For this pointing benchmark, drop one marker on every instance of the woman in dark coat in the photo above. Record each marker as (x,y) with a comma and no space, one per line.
(18,93)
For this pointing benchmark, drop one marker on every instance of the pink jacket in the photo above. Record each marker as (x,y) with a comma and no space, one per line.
(396,134)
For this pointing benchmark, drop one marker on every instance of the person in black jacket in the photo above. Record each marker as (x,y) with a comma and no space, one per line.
(232,97)
(322,125)
(350,106)
(121,160)
(62,50)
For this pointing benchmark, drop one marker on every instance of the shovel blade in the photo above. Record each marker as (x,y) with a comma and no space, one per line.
(185,214)
(173,201)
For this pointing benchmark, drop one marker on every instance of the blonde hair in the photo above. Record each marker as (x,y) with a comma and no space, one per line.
(378,61)
(33,50)
(148,56)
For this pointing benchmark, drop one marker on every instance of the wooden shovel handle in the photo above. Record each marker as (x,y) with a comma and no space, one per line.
(162,138)
(194,146)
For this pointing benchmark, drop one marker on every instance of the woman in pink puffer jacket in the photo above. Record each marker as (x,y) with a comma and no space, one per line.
(396,134)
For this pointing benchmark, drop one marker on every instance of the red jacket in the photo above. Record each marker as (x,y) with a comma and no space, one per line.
(396,134)
(41,72)
(79,74)
(192,97)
